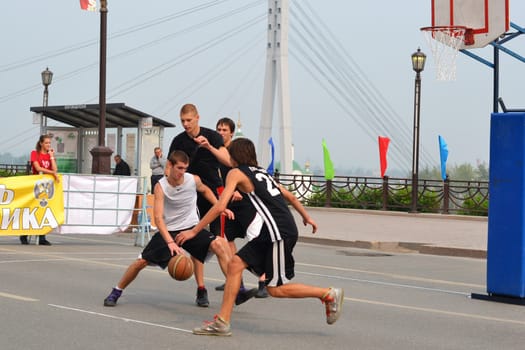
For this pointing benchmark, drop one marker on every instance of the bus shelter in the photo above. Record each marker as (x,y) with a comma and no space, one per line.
(129,132)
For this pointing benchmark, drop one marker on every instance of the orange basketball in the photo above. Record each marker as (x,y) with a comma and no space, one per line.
(180,267)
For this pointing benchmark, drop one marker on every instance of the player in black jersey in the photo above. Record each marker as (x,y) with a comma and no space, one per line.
(244,212)
(272,235)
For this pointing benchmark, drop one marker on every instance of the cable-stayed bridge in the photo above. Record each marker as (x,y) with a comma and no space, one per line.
(239,32)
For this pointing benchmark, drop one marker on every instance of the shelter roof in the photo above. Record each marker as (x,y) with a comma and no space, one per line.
(87,115)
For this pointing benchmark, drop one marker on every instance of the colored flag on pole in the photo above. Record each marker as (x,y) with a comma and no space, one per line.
(328,165)
(443,156)
(383,149)
(88,5)
(271,169)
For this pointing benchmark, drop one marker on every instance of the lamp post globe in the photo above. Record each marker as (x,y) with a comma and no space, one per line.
(418,61)
(47,77)
(418,64)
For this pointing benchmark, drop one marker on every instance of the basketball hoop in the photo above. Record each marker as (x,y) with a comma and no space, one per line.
(445,42)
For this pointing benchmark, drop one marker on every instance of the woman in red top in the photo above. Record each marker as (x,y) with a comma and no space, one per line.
(43,162)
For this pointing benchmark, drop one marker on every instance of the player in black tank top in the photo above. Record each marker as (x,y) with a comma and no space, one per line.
(271,240)
(206,150)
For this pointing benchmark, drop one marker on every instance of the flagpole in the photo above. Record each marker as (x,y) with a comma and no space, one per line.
(102,75)
(102,154)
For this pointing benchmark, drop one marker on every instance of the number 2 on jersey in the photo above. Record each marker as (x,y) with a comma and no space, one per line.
(271,186)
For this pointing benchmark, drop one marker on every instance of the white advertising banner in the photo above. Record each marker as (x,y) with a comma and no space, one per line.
(97,204)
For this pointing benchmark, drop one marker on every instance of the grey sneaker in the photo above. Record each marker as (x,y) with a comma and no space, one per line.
(217,327)
(334,304)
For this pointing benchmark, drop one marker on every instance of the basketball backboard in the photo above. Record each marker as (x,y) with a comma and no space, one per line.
(486,20)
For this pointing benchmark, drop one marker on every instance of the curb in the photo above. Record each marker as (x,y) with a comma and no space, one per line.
(400,247)
(399,213)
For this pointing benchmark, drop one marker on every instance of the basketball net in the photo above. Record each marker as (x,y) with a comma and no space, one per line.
(444,43)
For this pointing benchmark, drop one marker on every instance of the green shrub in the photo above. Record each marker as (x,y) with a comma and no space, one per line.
(477,206)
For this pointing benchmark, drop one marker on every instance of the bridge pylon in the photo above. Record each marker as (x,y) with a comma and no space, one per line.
(276,88)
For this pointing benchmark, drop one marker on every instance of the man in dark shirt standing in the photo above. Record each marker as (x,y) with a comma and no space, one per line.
(121,167)
(206,150)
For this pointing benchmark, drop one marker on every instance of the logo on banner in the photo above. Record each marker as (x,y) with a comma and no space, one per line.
(44,190)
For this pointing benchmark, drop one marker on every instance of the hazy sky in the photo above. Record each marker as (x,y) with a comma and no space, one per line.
(223,76)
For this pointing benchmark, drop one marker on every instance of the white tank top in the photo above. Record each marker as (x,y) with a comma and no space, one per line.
(180,203)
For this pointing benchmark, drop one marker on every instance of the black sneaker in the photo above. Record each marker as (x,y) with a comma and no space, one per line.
(44,242)
(23,240)
(262,292)
(112,298)
(244,295)
(202,297)
(221,287)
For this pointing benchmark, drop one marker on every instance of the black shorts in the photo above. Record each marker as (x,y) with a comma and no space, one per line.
(244,215)
(275,259)
(157,252)
(233,229)
(204,206)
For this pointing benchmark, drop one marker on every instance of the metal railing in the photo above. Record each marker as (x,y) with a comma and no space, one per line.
(15,169)
(389,193)
(362,192)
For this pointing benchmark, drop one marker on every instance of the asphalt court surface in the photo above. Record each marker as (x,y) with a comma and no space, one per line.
(51,298)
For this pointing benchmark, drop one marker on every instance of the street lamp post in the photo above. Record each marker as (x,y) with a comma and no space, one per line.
(418,64)
(47,77)
(101,154)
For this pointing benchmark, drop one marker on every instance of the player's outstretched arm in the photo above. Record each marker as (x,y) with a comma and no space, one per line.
(210,196)
(290,198)
(220,153)
(205,190)
(213,213)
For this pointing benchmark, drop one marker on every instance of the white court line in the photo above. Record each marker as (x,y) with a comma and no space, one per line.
(16,297)
(372,302)
(59,259)
(436,311)
(120,318)
(391,284)
(107,262)
(392,275)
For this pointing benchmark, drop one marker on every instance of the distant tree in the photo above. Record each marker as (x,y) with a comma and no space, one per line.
(483,171)
(461,172)
(464,172)
(430,174)
(8,158)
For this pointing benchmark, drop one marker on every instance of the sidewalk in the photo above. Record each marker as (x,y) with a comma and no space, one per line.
(437,234)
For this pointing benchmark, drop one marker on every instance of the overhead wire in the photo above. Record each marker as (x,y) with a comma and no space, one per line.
(350,93)
(130,30)
(95,64)
(345,89)
(348,74)
(207,77)
(333,72)
(236,89)
(328,85)
(172,62)
(13,143)
(84,44)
